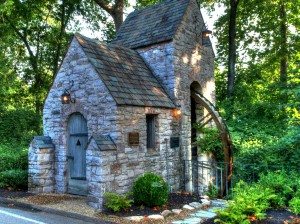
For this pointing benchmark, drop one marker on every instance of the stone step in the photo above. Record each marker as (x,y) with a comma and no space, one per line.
(190,220)
(219,203)
(204,214)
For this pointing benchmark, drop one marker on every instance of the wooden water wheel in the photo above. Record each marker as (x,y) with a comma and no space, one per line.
(214,115)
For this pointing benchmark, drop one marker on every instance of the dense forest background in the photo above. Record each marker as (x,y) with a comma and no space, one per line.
(257,71)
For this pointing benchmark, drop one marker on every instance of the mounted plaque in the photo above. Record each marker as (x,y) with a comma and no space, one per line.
(174,142)
(133,138)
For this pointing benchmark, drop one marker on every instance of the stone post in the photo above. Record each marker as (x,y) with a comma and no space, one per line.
(41,165)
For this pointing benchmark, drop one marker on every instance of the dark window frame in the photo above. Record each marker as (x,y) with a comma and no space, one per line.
(151,130)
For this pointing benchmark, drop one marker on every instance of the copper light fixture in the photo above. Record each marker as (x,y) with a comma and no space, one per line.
(66,98)
(205,36)
(206,33)
(177,111)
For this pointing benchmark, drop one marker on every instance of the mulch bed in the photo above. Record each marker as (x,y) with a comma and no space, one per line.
(273,217)
(7,193)
(176,201)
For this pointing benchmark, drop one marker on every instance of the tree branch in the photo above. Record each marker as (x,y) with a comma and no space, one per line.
(103,4)
(24,40)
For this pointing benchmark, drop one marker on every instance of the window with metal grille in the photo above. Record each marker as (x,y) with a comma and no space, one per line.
(151,130)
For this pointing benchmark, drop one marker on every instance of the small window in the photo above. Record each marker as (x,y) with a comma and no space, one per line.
(151,131)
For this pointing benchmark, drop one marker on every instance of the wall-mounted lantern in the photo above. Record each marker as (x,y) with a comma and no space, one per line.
(177,112)
(66,97)
(205,36)
(206,33)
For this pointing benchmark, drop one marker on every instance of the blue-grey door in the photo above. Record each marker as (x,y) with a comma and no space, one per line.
(77,143)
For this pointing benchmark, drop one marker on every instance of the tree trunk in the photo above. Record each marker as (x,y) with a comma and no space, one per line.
(118,14)
(232,48)
(116,11)
(283,44)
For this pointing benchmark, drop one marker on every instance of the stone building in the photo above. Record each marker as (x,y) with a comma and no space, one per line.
(119,109)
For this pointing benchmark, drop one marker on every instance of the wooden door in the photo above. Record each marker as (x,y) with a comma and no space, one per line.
(77,143)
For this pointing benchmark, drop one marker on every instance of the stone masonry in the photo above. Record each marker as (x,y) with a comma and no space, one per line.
(41,165)
(113,109)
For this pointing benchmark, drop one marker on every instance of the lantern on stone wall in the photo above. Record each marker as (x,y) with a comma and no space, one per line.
(205,36)
(66,97)
(177,112)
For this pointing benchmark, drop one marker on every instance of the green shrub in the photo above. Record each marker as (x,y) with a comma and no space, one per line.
(295,205)
(116,202)
(150,190)
(16,179)
(249,202)
(281,184)
(12,157)
(19,125)
(212,191)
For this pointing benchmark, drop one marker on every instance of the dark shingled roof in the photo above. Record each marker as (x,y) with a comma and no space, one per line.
(151,25)
(125,74)
(104,142)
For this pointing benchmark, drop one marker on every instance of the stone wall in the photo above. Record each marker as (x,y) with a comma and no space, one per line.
(92,100)
(41,165)
(115,170)
(180,63)
(159,58)
(192,62)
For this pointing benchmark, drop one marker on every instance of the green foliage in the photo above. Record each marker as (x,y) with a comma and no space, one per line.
(13,166)
(282,184)
(295,205)
(249,202)
(150,190)
(210,142)
(116,202)
(13,157)
(19,125)
(212,191)
(15,179)
(145,3)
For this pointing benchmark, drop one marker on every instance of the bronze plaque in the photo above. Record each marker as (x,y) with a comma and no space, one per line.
(133,138)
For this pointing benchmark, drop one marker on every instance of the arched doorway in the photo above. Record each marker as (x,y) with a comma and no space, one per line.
(196,113)
(77,143)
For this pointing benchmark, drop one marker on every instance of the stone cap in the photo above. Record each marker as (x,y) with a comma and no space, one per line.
(42,142)
(125,74)
(151,25)
(104,142)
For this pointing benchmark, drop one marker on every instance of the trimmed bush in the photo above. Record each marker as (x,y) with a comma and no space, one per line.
(150,190)
(16,179)
(116,202)
(13,166)
(12,158)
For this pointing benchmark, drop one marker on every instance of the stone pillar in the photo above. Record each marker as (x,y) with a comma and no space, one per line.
(41,165)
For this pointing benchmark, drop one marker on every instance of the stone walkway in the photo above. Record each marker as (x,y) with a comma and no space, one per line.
(200,211)
(201,215)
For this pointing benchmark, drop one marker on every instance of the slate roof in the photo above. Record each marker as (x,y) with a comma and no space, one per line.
(151,25)
(104,142)
(125,74)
